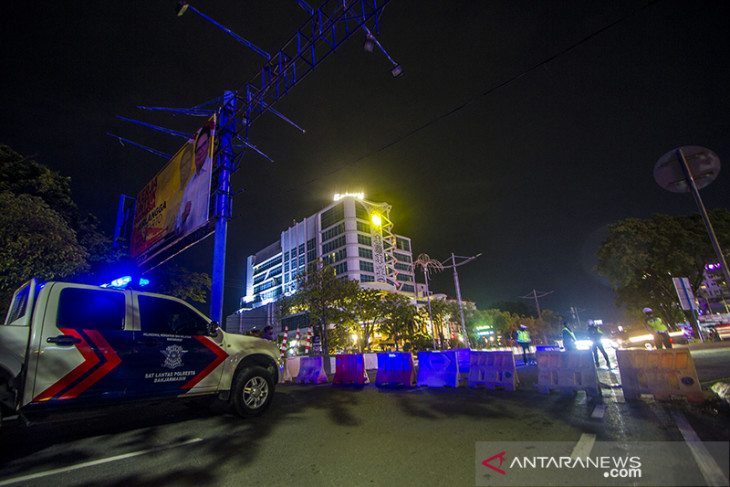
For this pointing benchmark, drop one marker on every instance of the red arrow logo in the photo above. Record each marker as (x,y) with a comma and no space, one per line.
(501,460)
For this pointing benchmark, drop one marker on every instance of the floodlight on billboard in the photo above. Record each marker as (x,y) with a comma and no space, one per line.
(175,203)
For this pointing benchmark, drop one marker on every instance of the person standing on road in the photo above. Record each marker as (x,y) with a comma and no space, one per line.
(568,338)
(523,339)
(658,328)
(595,334)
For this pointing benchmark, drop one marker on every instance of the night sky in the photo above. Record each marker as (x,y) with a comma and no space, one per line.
(520,129)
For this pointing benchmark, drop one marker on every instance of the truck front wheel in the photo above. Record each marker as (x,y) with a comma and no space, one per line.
(253,389)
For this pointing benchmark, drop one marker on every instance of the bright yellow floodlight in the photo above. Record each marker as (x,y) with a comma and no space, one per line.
(376,220)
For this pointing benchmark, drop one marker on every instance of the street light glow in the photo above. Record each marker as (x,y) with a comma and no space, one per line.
(376,220)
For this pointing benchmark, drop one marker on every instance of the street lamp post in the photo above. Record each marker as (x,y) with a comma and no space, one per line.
(428,300)
(428,264)
(689,169)
(454,265)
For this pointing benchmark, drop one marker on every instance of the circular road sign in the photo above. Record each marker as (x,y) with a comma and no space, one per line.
(704,165)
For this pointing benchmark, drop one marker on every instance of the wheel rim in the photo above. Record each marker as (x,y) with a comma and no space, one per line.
(255,392)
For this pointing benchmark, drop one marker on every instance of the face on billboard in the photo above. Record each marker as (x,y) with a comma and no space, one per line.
(201,150)
(175,203)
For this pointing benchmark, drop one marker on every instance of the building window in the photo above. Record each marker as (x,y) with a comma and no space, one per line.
(402,267)
(301,249)
(335,256)
(333,244)
(364,240)
(403,244)
(310,244)
(267,266)
(340,268)
(366,266)
(404,277)
(365,253)
(363,227)
(367,278)
(403,257)
(361,212)
(333,232)
(333,215)
(407,288)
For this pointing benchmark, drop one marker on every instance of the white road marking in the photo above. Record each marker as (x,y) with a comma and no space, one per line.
(712,473)
(584,446)
(93,463)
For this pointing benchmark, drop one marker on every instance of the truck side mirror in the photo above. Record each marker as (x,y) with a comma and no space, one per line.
(213,328)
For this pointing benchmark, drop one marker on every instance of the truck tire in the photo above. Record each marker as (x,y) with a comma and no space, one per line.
(253,389)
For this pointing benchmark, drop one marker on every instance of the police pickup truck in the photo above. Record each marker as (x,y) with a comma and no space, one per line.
(73,344)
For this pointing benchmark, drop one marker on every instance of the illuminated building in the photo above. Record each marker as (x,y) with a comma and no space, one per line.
(352,235)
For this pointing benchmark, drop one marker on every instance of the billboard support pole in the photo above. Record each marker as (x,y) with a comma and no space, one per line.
(222,203)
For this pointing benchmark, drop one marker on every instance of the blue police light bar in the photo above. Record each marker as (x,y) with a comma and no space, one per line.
(126,281)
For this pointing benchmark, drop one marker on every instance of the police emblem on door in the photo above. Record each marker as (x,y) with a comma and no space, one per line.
(173,356)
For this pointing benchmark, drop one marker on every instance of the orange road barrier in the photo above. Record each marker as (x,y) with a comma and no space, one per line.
(438,369)
(395,368)
(350,369)
(567,372)
(492,369)
(661,373)
(311,370)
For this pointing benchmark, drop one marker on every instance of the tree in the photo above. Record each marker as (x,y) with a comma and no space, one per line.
(367,311)
(23,176)
(400,319)
(549,326)
(640,257)
(328,300)
(35,241)
(174,280)
(45,235)
(494,319)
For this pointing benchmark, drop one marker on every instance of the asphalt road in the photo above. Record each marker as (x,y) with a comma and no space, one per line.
(333,435)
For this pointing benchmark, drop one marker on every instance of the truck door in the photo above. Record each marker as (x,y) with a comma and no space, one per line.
(83,346)
(173,352)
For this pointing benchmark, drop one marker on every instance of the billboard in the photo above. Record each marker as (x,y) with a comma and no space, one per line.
(175,203)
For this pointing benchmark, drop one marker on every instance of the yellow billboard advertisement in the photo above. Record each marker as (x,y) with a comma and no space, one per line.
(175,203)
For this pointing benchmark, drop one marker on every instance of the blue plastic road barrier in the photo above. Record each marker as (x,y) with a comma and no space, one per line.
(311,370)
(547,348)
(463,357)
(438,369)
(395,368)
(350,369)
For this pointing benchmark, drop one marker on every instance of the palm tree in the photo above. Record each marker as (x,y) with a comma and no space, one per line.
(429,266)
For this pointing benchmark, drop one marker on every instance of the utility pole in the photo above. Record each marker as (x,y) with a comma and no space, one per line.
(222,204)
(535,296)
(280,73)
